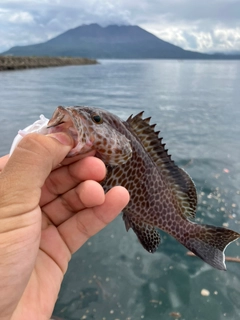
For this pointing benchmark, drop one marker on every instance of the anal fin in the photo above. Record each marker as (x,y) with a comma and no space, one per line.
(147,235)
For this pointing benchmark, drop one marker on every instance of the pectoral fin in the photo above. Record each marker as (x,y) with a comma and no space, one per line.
(147,235)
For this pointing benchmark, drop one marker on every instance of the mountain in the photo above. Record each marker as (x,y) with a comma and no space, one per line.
(119,42)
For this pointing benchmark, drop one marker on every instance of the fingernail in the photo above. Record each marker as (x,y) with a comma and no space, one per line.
(62,137)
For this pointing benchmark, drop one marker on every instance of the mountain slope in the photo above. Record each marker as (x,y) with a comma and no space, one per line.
(119,42)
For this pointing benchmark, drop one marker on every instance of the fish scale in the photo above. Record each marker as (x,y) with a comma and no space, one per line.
(162,195)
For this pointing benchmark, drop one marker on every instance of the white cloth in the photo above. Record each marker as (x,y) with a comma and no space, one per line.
(39,126)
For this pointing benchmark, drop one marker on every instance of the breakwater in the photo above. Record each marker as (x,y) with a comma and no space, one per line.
(16,63)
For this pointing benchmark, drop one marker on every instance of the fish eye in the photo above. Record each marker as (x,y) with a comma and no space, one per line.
(97,118)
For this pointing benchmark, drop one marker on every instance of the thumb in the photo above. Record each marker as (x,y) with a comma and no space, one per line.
(30,164)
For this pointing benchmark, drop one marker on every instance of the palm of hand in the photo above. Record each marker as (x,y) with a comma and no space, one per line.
(51,222)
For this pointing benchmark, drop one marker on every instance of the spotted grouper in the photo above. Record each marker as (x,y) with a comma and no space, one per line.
(162,195)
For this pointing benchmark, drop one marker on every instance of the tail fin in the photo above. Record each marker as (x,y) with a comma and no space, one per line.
(209,243)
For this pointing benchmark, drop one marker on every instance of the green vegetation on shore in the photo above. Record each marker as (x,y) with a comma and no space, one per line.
(16,63)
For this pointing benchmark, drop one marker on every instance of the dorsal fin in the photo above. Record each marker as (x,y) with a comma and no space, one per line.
(180,182)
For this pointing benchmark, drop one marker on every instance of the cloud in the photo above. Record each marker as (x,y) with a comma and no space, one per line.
(225,11)
(196,25)
(21,17)
(197,38)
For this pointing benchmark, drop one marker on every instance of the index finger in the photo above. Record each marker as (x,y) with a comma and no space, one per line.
(65,178)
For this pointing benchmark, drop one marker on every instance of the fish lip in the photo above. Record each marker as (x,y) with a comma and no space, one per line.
(63,120)
(58,116)
(69,120)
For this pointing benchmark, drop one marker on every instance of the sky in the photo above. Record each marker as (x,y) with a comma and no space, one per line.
(198,25)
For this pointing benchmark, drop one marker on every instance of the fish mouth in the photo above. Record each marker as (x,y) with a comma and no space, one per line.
(70,121)
(63,120)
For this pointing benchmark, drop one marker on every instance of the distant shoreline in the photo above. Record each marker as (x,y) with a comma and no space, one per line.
(18,63)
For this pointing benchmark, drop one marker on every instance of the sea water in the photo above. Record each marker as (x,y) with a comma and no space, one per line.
(196,105)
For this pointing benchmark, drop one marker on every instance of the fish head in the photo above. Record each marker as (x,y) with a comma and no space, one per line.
(92,129)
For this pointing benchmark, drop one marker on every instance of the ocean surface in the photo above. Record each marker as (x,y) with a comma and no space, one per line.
(196,105)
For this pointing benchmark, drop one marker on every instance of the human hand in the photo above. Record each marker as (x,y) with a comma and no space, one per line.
(47,212)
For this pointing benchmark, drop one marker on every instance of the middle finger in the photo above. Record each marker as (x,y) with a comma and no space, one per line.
(66,178)
(87,194)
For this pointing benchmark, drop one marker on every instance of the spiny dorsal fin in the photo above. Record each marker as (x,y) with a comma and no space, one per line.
(180,182)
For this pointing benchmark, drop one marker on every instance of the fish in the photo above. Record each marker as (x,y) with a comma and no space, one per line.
(162,195)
